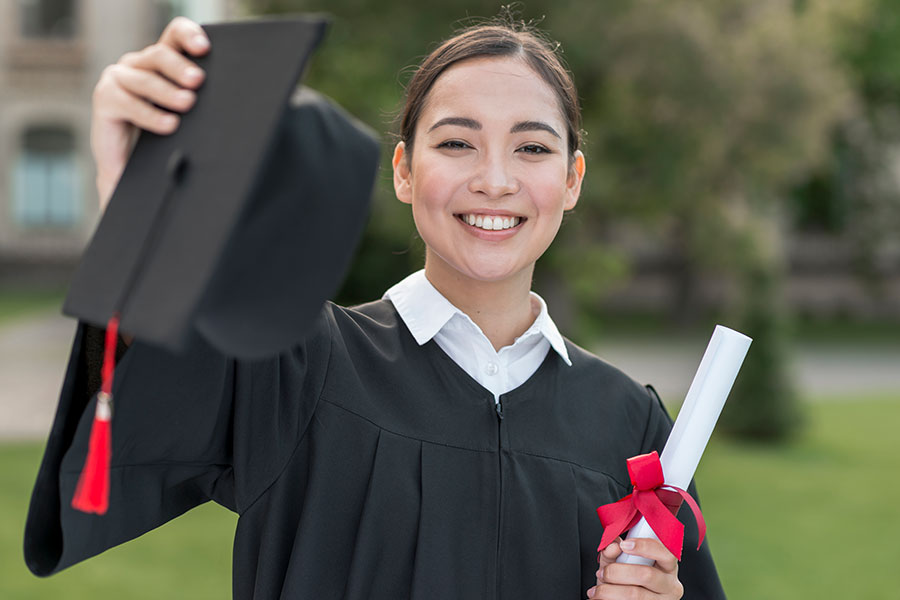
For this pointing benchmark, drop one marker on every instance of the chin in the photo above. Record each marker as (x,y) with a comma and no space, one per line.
(489,273)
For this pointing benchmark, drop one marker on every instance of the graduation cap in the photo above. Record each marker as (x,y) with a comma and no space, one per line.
(238,226)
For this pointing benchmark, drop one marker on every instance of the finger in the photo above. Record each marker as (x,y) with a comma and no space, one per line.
(652,549)
(611,591)
(168,62)
(183,34)
(643,576)
(125,106)
(153,87)
(611,552)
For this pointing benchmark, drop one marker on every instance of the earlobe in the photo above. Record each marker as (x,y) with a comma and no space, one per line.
(402,174)
(576,177)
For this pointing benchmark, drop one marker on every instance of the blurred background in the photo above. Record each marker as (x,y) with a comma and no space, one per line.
(743,168)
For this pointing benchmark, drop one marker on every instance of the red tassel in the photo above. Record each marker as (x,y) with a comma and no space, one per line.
(92,491)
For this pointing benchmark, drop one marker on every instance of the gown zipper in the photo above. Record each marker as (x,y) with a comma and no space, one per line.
(499,408)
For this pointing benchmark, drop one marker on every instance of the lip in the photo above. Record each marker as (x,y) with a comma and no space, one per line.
(495,235)
(491,212)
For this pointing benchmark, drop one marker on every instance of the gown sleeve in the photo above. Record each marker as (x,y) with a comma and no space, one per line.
(697,571)
(186,429)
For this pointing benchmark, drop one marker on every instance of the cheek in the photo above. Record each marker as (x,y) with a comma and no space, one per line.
(548,189)
(435,187)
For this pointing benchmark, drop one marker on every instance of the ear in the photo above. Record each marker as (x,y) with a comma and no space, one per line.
(402,174)
(573,182)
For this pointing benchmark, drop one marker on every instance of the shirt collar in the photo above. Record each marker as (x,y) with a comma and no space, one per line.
(425,311)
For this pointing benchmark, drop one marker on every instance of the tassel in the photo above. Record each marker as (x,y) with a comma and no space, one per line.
(92,491)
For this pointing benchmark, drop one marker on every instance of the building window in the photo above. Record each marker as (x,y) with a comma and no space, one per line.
(47,182)
(47,18)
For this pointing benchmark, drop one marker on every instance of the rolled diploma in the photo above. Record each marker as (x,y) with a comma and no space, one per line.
(697,418)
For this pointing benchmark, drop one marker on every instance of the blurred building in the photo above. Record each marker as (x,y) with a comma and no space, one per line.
(51,55)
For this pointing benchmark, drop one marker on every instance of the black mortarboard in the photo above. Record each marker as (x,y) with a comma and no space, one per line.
(239,225)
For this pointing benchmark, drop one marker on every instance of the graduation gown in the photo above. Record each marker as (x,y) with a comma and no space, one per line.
(362,466)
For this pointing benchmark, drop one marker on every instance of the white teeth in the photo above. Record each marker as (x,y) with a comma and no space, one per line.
(495,223)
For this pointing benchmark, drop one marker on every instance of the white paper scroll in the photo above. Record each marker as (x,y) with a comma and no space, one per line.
(697,418)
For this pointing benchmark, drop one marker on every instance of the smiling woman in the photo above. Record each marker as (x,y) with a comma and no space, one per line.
(369,462)
(487,149)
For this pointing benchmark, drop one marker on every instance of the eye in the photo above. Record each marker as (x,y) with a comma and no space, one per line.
(453,145)
(534,149)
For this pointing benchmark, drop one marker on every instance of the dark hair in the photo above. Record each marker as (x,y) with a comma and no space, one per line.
(498,38)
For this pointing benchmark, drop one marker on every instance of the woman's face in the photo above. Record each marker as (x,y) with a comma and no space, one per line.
(489,177)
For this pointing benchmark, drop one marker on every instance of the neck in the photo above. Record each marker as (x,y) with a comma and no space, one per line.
(502,309)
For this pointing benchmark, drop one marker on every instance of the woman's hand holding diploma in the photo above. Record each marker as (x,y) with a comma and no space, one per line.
(129,95)
(623,581)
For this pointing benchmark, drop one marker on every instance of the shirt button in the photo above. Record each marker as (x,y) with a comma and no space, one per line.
(491,368)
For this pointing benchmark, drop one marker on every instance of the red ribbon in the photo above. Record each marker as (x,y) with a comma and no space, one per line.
(653,500)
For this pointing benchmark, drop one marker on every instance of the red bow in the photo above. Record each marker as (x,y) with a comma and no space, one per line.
(655,501)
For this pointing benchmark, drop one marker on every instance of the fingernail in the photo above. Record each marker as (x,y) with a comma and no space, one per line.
(600,573)
(193,73)
(590,592)
(200,41)
(627,545)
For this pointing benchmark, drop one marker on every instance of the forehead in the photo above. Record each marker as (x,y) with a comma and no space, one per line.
(492,90)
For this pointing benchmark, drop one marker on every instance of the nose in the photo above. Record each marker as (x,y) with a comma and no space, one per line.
(494,178)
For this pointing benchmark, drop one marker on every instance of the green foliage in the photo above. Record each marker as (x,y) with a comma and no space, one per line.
(687,106)
(855,195)
(763,404)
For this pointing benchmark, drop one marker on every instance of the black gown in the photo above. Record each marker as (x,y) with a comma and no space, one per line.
(362,465)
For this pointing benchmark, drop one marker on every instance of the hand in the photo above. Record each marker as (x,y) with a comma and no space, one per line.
(621,581)
(127,91)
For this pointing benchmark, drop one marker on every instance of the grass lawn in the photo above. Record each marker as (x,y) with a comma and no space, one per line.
(15,304)
(816,519)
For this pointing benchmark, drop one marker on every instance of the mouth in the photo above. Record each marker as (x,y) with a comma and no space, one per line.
(491,222)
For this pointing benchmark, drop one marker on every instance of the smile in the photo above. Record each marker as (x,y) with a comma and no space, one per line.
(490,222)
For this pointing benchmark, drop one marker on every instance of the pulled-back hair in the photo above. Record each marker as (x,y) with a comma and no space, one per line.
(498,38)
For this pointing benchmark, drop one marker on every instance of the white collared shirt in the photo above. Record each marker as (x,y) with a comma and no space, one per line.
(428,314)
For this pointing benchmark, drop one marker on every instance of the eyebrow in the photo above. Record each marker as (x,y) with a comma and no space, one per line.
(517,128)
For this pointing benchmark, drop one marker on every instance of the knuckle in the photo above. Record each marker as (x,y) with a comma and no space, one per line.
(153,52)
(106,84)
(631,593)
(129,58)
(644,576)
(107,75)
(611,572)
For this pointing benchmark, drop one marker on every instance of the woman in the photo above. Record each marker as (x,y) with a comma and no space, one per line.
(369,462)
